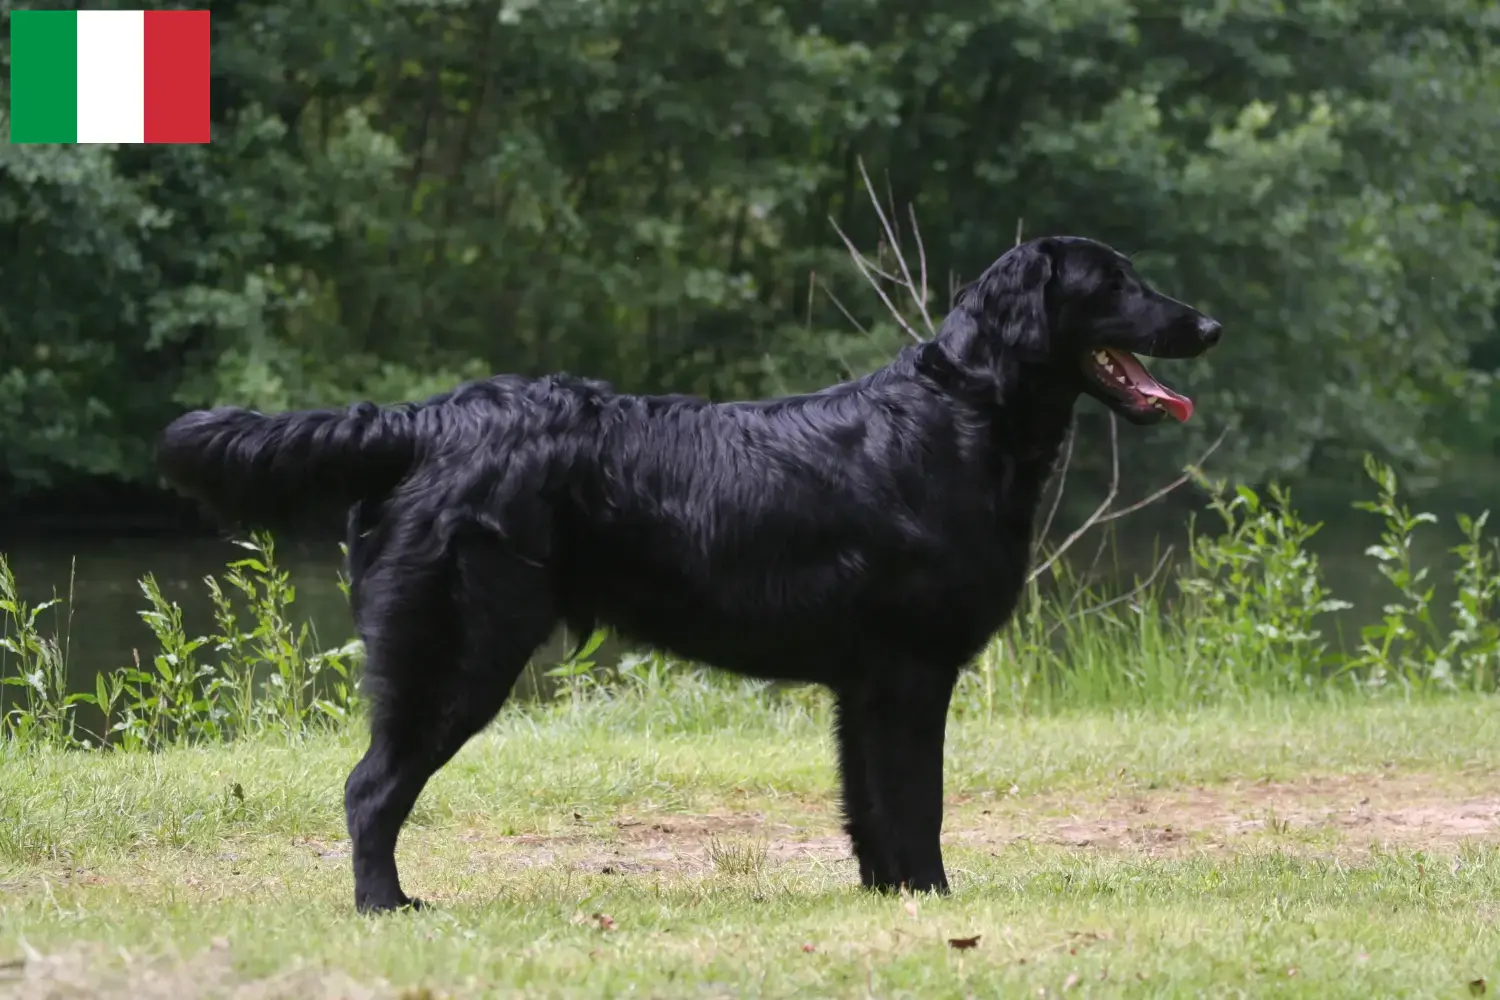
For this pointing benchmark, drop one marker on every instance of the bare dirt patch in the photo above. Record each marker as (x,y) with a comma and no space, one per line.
(677,844)
(1343,815)
(1346,816)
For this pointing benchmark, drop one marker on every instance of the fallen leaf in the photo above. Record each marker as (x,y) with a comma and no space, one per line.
(964,943)
(1292,971)
(1478,987)
(219,944)
(809,948)
(911,909)
(577,815)
(605,921)
(1071,981)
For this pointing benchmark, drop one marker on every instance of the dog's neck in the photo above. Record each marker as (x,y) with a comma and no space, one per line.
(1033,413)
(1029,404)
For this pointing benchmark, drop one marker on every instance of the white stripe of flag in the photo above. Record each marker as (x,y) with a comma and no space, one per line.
(111,76)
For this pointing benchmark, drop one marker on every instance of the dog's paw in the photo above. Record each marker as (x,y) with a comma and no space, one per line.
(400,904)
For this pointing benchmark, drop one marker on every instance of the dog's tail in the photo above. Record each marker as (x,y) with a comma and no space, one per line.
(273,471)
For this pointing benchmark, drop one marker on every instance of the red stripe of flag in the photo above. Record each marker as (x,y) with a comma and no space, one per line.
(176,75)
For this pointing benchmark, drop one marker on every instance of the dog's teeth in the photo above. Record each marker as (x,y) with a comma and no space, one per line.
(1120,379)
(1101,357)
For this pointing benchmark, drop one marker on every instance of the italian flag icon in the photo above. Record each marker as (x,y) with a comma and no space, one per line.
(109,76)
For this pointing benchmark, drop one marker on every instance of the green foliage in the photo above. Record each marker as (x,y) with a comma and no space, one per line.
(37,664)
(575,676)
(1255,590)
(1247,615)
(1408,645)
(1251,618)
(268,677)
(400,196)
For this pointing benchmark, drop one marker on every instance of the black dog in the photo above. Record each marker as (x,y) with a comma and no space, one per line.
(871,536)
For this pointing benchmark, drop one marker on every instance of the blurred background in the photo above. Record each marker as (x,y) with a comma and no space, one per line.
(401,194)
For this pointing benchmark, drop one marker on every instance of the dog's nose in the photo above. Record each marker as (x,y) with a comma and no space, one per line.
(1209,330)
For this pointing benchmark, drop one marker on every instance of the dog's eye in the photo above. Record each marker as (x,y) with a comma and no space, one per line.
(1118,282)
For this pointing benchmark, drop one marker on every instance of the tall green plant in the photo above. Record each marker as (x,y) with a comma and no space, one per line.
(37,664)
(1408,645)
(256,672)
(1254,591)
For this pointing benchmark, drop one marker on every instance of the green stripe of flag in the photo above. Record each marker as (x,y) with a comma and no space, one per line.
(43,76)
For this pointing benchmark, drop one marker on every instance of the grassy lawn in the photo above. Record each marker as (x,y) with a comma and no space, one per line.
(684,842)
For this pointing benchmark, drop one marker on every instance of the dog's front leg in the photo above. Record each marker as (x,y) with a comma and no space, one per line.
(904,723)
(877,865)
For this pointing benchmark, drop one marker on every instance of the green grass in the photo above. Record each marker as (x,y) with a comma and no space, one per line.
(1189,786)
(227,864)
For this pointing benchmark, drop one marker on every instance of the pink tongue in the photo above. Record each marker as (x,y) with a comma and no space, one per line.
(1180,407)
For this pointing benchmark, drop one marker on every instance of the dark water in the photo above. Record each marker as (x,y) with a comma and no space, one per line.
(103,626)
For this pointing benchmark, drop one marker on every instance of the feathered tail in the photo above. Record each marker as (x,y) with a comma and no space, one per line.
(272,471)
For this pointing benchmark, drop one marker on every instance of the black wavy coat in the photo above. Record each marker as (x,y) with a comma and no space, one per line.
(871,536)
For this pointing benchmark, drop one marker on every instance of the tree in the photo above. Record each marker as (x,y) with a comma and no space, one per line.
(404,193)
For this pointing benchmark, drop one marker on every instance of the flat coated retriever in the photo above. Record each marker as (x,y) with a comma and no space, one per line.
(871,536)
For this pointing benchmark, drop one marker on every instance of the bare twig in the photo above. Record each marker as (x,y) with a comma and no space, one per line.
(890,204)
(1121,599)
(1100,511)
(1079,593)
(1151,498)
(890,232)
(1020,224)
(879,272)
(1103,515)
(1062,481)
(864,269)
(847,314)
(916,232)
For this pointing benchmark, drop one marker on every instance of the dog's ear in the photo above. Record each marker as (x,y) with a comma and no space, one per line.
(998,321)
(1014,300)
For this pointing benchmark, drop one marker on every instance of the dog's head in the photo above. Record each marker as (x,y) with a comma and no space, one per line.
(1077,308)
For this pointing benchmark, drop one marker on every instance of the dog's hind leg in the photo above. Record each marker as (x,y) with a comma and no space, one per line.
(444,651)
(876,865)
(360,552)
(904,720)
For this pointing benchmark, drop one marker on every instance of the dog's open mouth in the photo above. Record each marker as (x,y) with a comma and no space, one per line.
(1123,376)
